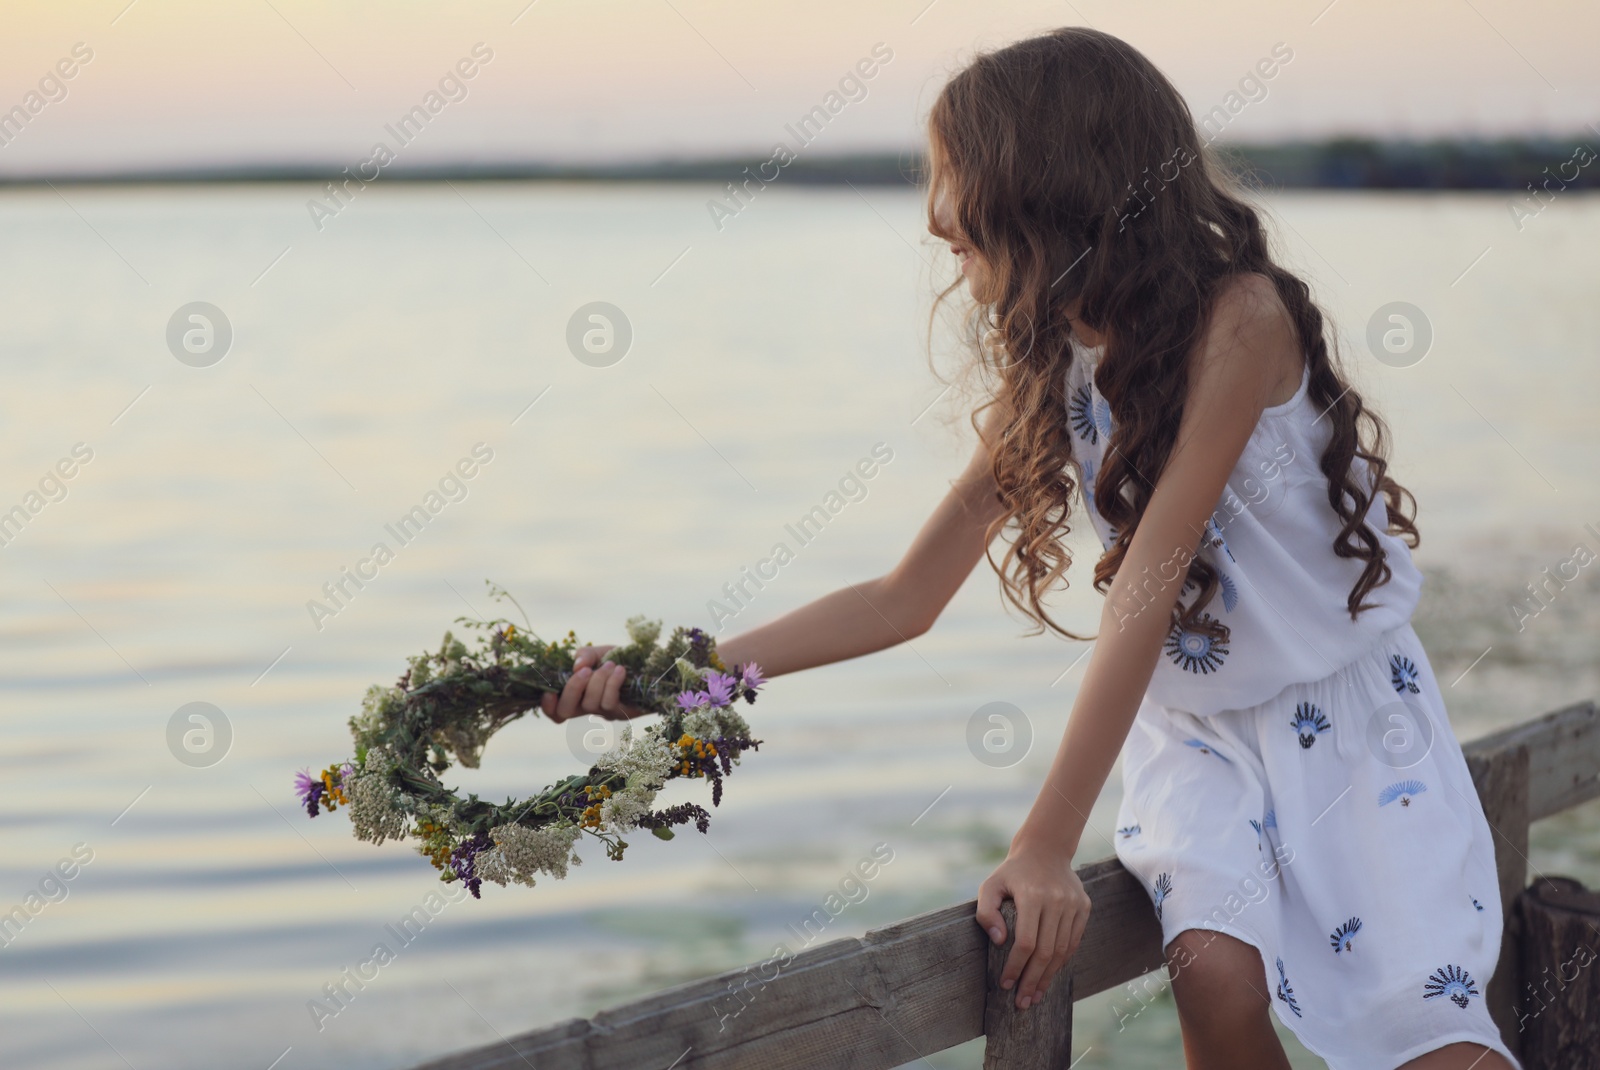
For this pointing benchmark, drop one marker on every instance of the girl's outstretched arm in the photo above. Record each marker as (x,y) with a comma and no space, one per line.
(854,620)
(903,604)
(1248,348)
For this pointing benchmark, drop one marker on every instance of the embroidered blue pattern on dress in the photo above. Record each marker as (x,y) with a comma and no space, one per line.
(1270,821)
(1102,417)
(1403,674)
(1230,591)
(1081,411)
(1159,893)
(1475,901)
(1309,722)
(1127,832)
(1205,748)
(1285,992)
(1450,981)
(1196,649)
(1341,936)
(1213,537)
(1404,790)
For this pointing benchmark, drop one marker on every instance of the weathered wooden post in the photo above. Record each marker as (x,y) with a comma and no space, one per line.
(1039,1038)
(1558,1009)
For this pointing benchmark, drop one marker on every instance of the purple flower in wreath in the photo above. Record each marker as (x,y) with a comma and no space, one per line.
(463,861)
(719,688)
(691,699)
(752,675)
(309,790)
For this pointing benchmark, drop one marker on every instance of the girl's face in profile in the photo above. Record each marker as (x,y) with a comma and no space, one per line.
(944,223)
(976,269)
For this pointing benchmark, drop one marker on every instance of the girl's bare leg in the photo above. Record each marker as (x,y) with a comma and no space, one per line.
(1223,1006)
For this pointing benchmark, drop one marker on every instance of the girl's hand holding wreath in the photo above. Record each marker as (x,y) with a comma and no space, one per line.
(595,688)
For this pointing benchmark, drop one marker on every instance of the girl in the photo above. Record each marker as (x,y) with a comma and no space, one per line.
(1294,799)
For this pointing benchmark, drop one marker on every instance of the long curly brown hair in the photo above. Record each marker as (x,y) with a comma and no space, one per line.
(1072,166)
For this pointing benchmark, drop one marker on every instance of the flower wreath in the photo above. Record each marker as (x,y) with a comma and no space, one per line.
(451,702)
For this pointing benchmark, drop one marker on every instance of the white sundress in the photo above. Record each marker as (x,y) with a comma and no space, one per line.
(1297,784)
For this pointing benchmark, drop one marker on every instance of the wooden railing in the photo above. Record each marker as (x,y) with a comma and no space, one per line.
(928,983)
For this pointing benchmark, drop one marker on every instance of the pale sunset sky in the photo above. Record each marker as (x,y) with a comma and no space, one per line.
(200,83)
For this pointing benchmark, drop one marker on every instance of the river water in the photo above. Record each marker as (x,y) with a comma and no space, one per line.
(424,322)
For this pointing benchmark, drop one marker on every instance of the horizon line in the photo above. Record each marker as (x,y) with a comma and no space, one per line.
(876,167)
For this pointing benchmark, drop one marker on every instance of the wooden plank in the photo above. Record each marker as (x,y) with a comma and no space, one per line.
(891,997)
(919,986)
(1039,1038)
(859,1004)
(1563,757)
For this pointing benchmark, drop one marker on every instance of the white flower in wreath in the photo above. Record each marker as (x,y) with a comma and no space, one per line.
(373,707)
(374,811)
(622,811)
(701,723)
(642,760)
(520,853)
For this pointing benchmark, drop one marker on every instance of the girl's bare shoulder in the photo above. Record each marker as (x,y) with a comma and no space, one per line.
(1250,322)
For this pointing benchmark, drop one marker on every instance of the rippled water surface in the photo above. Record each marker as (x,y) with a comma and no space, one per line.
(766,360)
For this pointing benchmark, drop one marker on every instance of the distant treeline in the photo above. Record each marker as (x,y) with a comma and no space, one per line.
(1545,163)
(1362,163)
